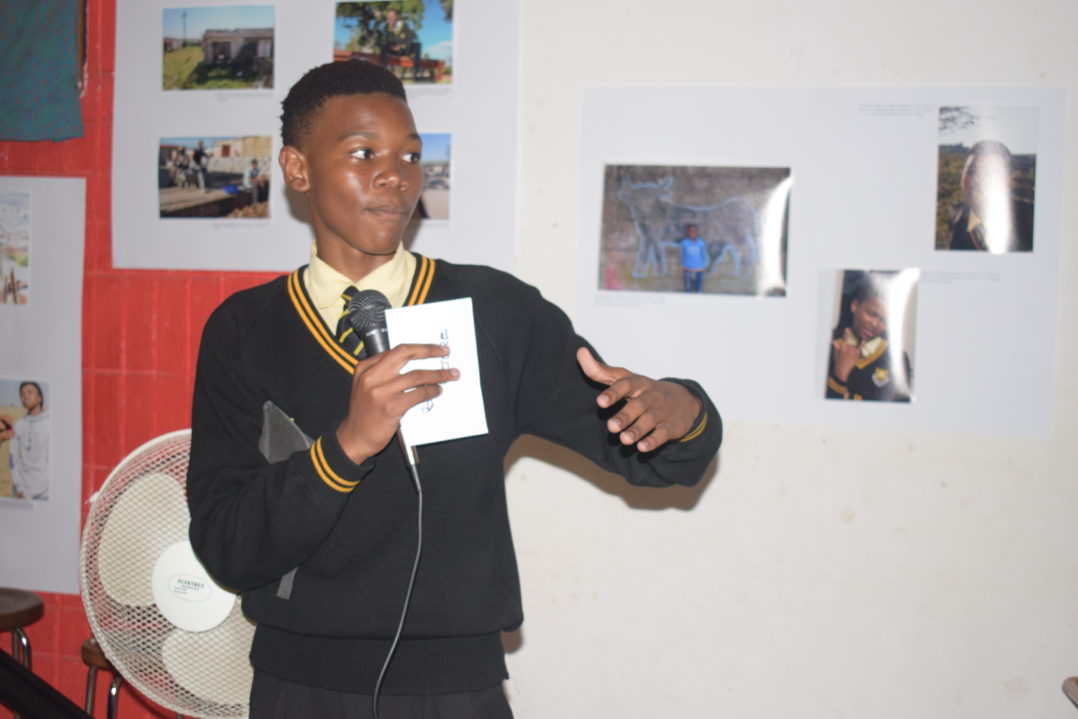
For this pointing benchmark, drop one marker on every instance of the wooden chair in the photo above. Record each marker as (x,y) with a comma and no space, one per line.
(95,659)
(18,609)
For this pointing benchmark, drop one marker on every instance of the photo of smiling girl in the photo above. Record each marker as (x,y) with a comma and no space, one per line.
(871,344)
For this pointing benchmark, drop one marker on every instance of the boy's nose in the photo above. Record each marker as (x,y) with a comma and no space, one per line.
(389,174)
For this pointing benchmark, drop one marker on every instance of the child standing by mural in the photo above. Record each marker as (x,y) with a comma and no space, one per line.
(693,258)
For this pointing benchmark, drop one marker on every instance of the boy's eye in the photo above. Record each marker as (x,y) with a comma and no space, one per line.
(412,157)
(363,153)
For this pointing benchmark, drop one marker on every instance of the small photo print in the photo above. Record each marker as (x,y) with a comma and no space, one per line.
(986,179)
(218,48)
(716,230)
(14,248)
(434,202)
(226,177)
(25,429)
(413,39)
(870,348)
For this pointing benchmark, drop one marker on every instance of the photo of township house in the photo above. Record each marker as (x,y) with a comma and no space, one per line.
(228,48)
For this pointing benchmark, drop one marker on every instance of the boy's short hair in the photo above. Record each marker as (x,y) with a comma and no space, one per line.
(349,77)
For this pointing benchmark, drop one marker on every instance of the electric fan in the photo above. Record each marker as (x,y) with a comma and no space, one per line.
(165,625)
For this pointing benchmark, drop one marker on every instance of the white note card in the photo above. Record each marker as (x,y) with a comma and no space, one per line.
(458,411)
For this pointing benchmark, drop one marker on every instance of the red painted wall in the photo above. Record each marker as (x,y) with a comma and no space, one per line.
(140,333)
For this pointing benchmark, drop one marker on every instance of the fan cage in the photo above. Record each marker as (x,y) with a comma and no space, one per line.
(145,647)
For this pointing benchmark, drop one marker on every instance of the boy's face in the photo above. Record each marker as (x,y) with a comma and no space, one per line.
(359,167)
(31,398)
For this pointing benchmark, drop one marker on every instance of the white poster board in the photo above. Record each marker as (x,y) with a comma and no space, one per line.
(864,165)
(469,119)
(41,252)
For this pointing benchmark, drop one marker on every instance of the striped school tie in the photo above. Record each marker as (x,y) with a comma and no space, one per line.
(345,335)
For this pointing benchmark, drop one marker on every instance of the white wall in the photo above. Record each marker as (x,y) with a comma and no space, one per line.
(818,572)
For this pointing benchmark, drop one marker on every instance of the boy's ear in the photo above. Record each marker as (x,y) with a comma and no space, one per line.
(294,165)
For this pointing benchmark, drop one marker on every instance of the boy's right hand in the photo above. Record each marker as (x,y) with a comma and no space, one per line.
(381,395)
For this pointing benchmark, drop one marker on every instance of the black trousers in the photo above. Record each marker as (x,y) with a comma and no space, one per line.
(273,698)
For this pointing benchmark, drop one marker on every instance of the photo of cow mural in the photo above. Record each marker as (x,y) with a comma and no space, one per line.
(719,230)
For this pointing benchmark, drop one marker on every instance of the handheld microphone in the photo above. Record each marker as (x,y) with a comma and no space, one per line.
(367,315)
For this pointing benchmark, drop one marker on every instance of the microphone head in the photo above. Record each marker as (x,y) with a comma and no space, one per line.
(367,311)
(367,315)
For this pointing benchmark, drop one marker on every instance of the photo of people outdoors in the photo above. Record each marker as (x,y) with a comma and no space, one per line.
(872,337)
(718,230)
(218,48)
(413,38)
(987,178)
(14,248)
(25,428)
(434,202)
(214,176)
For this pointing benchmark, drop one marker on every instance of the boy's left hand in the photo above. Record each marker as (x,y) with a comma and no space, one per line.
(655,411)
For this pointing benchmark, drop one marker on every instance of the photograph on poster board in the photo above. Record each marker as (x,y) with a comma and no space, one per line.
(872,336)
(716,230)
(413,38)
(25,428)
(218,48)
(986,179)
(434,202)
(14,248)
(226,177)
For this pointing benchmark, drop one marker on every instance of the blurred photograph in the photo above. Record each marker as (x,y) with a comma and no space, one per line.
(872,338)
(434,202)
(413,38)
(987,178)
(25,429)
(226,177)
(14,248)
(716,230)
(218,48)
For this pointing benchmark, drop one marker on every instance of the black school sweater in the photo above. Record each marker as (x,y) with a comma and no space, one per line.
(350,529)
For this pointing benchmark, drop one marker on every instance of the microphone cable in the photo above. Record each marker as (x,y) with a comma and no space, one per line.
(414,470)
(366,310)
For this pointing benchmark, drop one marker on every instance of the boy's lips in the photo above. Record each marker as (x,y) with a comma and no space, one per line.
(387,212)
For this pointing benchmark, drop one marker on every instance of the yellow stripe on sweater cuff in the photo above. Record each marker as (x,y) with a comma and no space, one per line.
(326,473)
(697,430)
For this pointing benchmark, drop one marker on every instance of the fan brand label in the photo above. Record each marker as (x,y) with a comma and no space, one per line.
(189,587)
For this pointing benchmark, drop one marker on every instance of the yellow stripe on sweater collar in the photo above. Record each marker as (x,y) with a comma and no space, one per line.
(316,324)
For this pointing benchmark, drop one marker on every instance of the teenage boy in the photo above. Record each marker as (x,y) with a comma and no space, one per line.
(321,544)
(29,448)
(397,39)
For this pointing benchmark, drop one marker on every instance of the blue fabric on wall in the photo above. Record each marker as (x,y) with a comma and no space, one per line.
(39,70)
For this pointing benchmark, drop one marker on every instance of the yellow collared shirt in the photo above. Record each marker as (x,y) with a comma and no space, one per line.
(325,284)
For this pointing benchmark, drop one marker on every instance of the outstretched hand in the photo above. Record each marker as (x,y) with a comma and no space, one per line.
(654,412)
